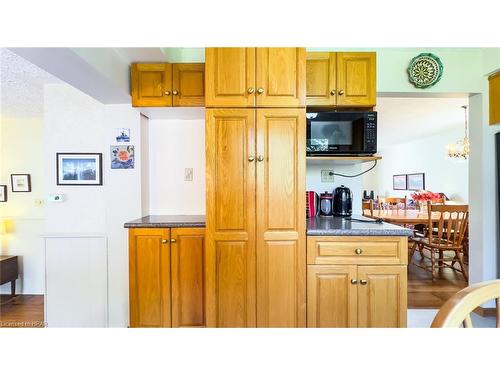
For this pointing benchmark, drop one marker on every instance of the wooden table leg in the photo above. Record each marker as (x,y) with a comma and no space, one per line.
(13,288)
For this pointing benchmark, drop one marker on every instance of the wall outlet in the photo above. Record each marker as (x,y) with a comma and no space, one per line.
(56,198)
(188,174)
(327,175)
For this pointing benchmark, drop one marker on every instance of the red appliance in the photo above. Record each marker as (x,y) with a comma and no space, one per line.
(312,204)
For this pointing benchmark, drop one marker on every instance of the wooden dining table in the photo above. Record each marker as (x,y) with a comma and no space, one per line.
(401,216)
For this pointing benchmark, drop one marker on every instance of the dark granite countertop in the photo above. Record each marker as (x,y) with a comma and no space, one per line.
(168,221)
(337,226)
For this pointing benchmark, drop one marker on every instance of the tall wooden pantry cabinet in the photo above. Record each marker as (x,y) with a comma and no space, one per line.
(255,155)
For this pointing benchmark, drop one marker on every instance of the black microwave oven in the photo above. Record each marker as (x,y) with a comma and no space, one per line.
(341,133)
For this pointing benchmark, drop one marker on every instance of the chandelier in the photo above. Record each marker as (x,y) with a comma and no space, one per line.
(460,149)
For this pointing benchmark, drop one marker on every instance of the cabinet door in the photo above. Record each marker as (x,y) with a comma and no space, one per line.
(151,85)
(332,296)
(356,79)
(188,284)
(230,77)
(494,82)
(382,296)
(230,227)
(281,252)
(281,77)
(321,79)
(149,273)
(188,85)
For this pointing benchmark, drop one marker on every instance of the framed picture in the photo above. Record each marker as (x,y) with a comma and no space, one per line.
(416,181)
(122,135)
(21,183)
(3,193)
(79,169)
(399,182)
(122,157)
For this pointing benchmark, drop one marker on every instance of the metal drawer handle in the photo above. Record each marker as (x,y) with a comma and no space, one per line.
(354,281)
(173,240)
(358,251)
(332,93)
(363,282)
(164,241)
(260,158)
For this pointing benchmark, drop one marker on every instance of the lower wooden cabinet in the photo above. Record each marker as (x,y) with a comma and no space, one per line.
(166,272)
(356,296)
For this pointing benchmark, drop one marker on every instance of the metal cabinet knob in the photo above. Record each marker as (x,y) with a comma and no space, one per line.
(341,92)
(164,241)
(251,158)
(260,90)
(251,90)
(354,281)
(167,93)
(332,93)
(175,92)
(363,282)
(358,251)
(260,158)
(173,240)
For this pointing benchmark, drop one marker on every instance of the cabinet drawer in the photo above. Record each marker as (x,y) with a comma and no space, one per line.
(357,250)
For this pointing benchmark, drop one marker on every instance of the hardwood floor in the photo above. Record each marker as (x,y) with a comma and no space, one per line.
(425,294)
(24,310)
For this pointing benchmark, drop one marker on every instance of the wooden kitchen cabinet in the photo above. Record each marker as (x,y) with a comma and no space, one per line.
(255,245)
(341,79)
(149,274)
(230,231)
(332,298)
(494,82)
(168,85)
(166,277)
(255,77)
(151,85)
(281,247)
(356,281)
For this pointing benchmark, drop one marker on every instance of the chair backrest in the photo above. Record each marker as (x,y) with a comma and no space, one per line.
(456,311)
(367,205)
(451,223)
(391,202)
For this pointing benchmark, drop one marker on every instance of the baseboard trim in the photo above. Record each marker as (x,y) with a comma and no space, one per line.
(485,311)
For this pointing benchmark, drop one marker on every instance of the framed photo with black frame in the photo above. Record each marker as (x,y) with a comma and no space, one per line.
(20,183)
(399,182)
(416,181)
(3,193)
(79,169)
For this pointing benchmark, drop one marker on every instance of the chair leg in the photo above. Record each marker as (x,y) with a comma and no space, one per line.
(421,251)
(440,260)
(462,267)
(433,264)
(412,251)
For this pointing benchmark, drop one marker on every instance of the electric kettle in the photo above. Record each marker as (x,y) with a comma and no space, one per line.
(342,201)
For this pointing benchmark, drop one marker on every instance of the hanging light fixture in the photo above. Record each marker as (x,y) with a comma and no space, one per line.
(460,149)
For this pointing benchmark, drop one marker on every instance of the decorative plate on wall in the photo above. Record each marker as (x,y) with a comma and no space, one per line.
(425,70)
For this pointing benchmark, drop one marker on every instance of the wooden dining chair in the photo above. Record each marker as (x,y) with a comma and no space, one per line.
(392,203)
(456,311)
(451,222)
(367,205)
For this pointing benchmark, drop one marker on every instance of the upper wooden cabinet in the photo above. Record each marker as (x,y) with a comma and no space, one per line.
(495,99)
(167,85)
(343,79)
(255,77)
(151,85)
(167,277)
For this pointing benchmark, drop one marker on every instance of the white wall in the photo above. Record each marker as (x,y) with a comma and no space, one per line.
(74,122)
(424,155)
(176,144)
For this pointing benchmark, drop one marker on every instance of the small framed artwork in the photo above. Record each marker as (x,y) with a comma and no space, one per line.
(79,169)
(122,135)
(3,193)
(21,183)
(416,181)
(122,157)
(399,182)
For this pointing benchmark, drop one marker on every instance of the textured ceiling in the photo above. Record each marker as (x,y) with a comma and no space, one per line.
(21,86)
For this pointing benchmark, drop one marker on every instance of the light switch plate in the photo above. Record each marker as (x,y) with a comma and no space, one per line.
(188,174)
(327,175)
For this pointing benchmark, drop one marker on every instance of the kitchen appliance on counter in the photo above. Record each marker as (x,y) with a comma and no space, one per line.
(326,204)
(312,203)
(342,201)
(341,133)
